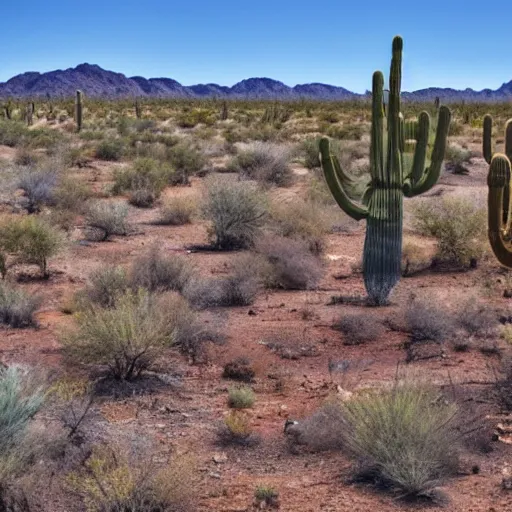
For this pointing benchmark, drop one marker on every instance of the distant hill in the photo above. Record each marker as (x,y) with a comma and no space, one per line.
(97,82)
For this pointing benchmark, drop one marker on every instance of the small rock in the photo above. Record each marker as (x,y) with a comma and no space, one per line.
(160,425)
(506,482)
(220,458)
(214,475)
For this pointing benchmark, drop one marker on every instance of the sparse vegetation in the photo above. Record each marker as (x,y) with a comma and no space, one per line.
(105,218)
(17,308)
(358,328)
(237,211)
(405,437)
(241,397)
(459,226)
(126,338)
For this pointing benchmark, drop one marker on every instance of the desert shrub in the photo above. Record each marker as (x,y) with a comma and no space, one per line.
(109,480)
(144,181)
(39,188)
(20,399)
(405,437)
(235,290)
(106,285)
(302,220)
(427,320)
(266,496)
(156,271)
(31,240)
(191,118)
(126,338)
(71,195)
(504,384)
(294,267)
(17,308)
(12,133)
(241,397)
(358,328)
(178,211)
(25,158)
(458,224)
(237,211)
(415,257)
(239,369)
(110,149)
(105,218)
(457,158)
(477,319)
(186,159)
(236,430)
(265,162)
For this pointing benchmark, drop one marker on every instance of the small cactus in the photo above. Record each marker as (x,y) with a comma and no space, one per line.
(224,111)
(78,110)
(138,111)
(498,180)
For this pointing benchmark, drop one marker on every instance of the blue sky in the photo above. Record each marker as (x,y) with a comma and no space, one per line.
(450,44)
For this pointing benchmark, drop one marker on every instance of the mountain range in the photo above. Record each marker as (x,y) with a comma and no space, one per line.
(97,82)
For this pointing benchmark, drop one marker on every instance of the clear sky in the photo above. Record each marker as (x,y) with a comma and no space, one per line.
(450,43)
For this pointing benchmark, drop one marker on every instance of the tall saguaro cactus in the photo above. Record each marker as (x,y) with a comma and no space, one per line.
(382,203)
(78,110)
(499,198)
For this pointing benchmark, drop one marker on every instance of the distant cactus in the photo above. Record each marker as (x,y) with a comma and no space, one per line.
(498,181)
(382,203)
(224,111)
(8,110)
(30,113)
(78,110)
(138,111)
(437,102)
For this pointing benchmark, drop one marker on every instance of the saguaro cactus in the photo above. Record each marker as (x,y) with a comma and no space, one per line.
(382,203)
(78,110)
(498,180)
(138,111)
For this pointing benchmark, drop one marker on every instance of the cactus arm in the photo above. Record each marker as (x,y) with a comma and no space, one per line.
(432,174)
(335,177)
(500,213)
(508,139)
(377,133)
(487,139)
(420,153)
(394,160)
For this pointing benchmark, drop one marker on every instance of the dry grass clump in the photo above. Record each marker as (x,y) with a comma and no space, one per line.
(128,337)
(178,211)
(458,224)
(17,308)
(106,218)
(427,320)
(237,212)
(290,263)
(241,397)
(358,328)
(29,240)
(405,437)
(264,162)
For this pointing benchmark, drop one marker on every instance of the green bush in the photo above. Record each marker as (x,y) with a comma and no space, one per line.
(459,224)
(265,162)
(156,271)
(241,397)
(20,399)
(17,308)
(105,218)
(12,133)
(405,437)
(186,159)
(31,240)
(111,150)
(291,265)
(106,285)
(178,211)
(237,211)
(126,338)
